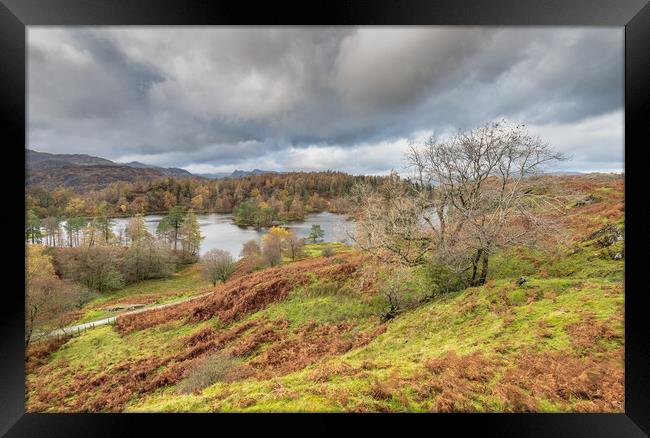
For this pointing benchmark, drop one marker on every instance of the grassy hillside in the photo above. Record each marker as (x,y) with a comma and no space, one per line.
(306,336)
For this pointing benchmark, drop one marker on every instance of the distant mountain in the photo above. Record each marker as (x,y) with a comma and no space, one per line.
(217,175)
(86,177)
(170,171)
(235,174)
(42,159)
(85,172)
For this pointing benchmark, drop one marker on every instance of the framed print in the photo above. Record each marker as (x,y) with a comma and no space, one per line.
(425,213)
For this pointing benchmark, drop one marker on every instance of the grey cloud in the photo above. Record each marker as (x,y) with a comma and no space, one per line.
(222,96)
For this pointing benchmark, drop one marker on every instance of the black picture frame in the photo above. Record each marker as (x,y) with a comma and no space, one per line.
(15,15)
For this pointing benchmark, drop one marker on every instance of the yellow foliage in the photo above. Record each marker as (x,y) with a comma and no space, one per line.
(276,233)
(197,202)
(38,263)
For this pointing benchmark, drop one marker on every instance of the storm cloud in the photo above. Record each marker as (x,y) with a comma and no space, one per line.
(346,98)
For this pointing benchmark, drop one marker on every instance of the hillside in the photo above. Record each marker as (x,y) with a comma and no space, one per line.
(85,172)
(306,336)
(84,178)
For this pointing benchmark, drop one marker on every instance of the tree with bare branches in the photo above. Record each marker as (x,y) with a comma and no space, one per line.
(470,196)
(219,265)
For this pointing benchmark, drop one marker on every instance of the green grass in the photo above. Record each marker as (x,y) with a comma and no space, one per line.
(429,331)
(315,249)
(321,302)
(182,284)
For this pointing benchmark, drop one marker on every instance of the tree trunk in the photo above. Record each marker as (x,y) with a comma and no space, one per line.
(484,269)
(475,261)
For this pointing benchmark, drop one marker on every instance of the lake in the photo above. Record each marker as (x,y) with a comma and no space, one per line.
(221,232)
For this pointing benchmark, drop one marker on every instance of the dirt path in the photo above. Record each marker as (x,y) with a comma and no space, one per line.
(71,330)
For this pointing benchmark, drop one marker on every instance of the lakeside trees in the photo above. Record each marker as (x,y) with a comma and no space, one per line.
(170,224)
(288,196)
(100,261)
(190,237)
(33,227)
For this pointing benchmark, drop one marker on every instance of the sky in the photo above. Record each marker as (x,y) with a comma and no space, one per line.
(216,99)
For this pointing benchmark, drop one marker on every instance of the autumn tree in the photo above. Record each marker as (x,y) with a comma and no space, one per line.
(481,183)
(52,226)
(73,227)
(390,221)
(96,267)
(250,248)
(273,245)
(147,258)
(105,223)
(47,298)
(218,265)
(136,230)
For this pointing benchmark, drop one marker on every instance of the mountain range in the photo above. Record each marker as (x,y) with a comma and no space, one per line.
(88,172)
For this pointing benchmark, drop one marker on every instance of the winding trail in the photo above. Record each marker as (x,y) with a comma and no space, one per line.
(71,330)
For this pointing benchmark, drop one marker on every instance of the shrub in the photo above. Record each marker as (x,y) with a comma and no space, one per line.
(328,251)
(207,371)
(251,263)
(441,279)
(400,290)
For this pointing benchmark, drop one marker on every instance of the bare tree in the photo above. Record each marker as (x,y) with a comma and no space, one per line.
(250,248)
(470,195)
(219,265)
(390,220)
(294,246)
(477,184)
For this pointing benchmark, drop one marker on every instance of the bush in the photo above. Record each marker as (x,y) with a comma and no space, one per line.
(251,263)
(440,279)
(207,371)
(400,290)
(328,251)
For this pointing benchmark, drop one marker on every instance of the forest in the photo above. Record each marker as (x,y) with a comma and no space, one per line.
(287,195)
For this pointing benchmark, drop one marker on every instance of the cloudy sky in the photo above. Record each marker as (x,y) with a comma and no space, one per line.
(214,99)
